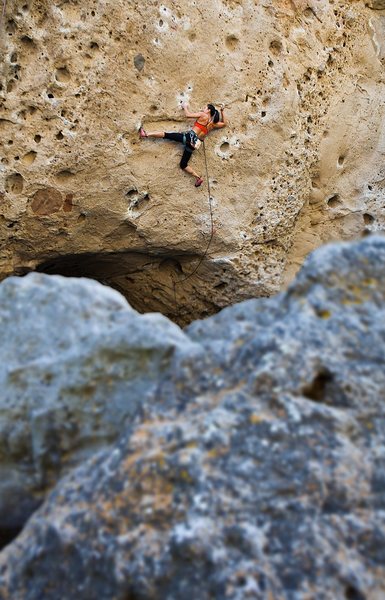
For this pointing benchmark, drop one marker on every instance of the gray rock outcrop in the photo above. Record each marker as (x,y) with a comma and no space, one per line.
(261,475)
(76,364)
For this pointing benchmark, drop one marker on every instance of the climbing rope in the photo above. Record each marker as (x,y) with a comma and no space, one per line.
(202,258)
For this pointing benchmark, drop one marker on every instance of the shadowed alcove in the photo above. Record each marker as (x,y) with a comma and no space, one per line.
(149,282)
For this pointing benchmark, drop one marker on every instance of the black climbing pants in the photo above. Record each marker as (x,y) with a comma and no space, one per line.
(182,138)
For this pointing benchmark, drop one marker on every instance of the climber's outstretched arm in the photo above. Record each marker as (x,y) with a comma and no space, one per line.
(189,114)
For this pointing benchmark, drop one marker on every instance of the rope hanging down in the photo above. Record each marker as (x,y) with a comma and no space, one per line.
(211,224)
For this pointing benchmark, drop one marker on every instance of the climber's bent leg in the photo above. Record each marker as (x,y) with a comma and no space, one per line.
(183,163)
(185,158)
(191,171)
(176,136)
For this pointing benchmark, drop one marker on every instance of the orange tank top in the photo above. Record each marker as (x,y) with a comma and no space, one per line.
(202,127)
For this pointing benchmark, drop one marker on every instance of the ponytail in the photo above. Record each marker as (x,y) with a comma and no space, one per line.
(213,112)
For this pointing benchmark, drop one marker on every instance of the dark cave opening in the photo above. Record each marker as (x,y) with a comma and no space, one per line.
(149,282)
(16,508)
(7,535)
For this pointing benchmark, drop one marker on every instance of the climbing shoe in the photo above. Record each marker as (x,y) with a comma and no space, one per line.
(142,133)
(198,181)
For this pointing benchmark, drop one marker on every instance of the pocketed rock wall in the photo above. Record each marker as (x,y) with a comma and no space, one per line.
(300,163)
(256,471)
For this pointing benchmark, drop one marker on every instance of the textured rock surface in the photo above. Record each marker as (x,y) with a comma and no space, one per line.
(377,4)
(264,478)
(76,362)
(300,163)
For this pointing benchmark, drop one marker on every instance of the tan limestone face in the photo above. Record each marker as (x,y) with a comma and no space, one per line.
(300,163)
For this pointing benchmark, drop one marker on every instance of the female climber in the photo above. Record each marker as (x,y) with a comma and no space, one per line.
(205,120)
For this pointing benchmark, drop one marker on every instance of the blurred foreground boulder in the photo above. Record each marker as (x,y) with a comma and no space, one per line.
(75,363)
(260,475)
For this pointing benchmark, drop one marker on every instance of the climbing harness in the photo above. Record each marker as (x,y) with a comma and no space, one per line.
(191,141)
